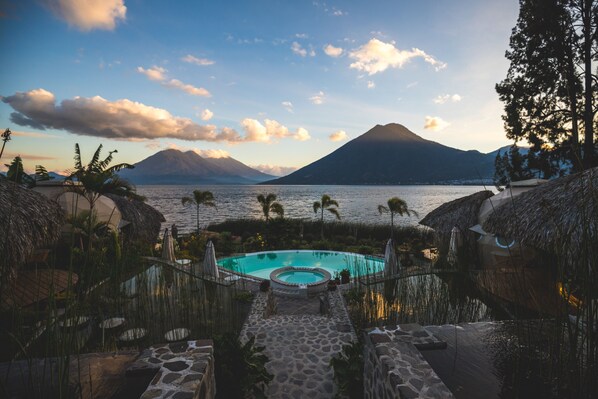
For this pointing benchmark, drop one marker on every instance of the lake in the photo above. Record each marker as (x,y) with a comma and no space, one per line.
(356,203)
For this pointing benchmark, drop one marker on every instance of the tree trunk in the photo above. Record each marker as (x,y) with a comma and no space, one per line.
(197,219)
(392,225)
(575,149)
(588,149)
(322,225)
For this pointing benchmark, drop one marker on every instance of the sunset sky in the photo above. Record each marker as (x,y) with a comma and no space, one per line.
(277,84)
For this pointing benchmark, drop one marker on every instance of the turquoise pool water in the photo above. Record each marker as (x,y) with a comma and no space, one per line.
(300,277)
(261,264)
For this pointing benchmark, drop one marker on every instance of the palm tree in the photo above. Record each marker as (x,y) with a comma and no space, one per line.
(5,137)
(205,198)
(396,206)
(16,173)
(328,204)
(268,205)
(98,178)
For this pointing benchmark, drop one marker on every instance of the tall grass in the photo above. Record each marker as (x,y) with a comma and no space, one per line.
(154,297)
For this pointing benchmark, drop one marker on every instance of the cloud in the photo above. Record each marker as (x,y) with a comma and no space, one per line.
(318,98)
(302,135)
(338,13)
(206,115)
(301,35)
(441,99)
(371,84)
(376,56)
(288,106)
(158,74)
(197,61)
(271,129)
(275,170)
(339,135)
(154,73)
(35,135)
(89,14)
(27,157)
(122,119)
(435,123)
(211,153)
(297,49)
(332,51)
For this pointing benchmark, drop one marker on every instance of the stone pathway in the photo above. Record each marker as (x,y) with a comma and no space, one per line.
(298,345)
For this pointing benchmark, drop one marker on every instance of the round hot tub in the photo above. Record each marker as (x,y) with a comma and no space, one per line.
(300,280)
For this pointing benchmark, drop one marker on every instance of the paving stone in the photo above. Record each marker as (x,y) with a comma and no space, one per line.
(176,366)
(170,377)
(152,393)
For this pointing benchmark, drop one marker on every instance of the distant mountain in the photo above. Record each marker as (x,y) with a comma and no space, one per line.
(392,154)
(177,167)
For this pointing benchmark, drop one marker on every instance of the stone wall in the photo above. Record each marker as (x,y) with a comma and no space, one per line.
(183,370)
(394,367)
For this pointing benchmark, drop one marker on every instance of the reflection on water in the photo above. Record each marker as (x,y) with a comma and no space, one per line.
(490,359)
(357,203)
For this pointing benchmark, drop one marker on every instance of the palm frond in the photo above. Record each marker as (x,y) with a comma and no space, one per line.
(119,167)
(317,206)
(382,209)
(278,209)
(334,211)
(333,203)
(93,164)
(103,164)
(78,164)
(186,200)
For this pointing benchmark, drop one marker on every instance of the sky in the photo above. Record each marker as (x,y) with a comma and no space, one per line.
(273,84)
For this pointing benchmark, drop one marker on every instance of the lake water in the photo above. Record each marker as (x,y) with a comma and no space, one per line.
(356,203)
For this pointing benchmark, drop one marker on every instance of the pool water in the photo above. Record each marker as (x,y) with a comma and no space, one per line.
(261,264)
(300,277)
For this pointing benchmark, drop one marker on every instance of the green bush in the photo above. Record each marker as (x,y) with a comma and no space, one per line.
(348,370)
(240,369)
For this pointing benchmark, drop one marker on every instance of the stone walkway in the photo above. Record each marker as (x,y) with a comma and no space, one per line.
(299,343)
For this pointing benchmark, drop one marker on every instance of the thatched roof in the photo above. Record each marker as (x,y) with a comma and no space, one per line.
(145,221)
(559,217)
(462,212)
(27,220)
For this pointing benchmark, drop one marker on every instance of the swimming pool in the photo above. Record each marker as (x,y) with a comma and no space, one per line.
(261,264)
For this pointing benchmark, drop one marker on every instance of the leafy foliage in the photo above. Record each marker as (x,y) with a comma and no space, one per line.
(205,198)
(348,370)
(98,178)
(269,205)
(550,87)
(16,173)
(396,206)
(326,203)
(240,369)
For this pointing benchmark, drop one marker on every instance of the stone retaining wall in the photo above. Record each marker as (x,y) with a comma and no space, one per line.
(394,367)
(183,370)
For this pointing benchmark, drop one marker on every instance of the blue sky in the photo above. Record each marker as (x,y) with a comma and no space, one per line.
(277,84)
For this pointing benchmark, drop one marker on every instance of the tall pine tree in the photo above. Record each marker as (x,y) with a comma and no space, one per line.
(549,92)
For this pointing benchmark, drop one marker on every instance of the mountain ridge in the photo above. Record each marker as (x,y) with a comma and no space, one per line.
(172,166)
(392,154)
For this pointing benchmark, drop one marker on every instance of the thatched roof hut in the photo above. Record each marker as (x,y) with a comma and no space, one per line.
(463,213)
(144,220)
(27,220)
(559,217)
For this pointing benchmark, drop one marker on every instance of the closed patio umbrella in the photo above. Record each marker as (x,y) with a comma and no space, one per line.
(454,245)
(168,247)
(209,262)
(391,264)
